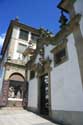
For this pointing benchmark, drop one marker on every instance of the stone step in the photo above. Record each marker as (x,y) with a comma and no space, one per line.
(12,108)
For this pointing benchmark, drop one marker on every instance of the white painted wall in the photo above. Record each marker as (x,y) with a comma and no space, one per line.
(16,40)
(15,32)
(78,5)
(16,55)
(33,93)
(47,51)
(15,36)
(66,84)
(79,10)
(2,70)
(2,77)
(81,25)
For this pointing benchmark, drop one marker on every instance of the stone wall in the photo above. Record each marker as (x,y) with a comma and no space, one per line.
(15,103)
(4,96)
(67,117)
(66,88)
(10,69)
(33,95)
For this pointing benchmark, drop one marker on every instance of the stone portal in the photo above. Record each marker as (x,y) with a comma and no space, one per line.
(15,92)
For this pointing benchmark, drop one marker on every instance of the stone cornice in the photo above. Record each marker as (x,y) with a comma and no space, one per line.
(15,63)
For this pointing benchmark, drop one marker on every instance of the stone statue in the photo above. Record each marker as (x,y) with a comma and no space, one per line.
(11,92)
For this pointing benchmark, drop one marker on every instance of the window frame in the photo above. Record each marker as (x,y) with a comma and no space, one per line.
(18,47)
(22,35)
(57,50)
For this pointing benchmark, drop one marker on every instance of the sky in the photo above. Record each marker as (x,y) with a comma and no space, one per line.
(35,13)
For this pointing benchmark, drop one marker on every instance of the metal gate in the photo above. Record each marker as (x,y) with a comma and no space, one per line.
(44,96)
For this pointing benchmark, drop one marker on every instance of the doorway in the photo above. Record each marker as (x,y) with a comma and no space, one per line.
(44,96)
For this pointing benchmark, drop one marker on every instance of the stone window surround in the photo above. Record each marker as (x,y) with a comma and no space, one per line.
(22,34)
(58,48)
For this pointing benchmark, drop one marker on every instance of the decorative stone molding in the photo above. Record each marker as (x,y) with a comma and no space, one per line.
(60,45)
(42,69)
(59,38)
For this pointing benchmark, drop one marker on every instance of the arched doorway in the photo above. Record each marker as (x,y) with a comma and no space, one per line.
(15,93)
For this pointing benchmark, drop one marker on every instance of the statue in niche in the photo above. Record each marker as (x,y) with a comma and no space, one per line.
(11,92)
(15,92)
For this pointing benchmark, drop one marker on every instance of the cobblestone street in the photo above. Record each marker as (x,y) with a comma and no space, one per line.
(9,116)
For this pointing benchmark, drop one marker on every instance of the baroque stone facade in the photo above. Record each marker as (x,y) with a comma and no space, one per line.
(13,63)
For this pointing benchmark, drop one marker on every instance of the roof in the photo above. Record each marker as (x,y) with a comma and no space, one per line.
(9,32)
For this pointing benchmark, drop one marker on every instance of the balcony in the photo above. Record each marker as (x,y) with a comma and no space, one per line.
(29,51)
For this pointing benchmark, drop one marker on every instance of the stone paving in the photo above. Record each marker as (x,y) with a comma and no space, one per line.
(10,116)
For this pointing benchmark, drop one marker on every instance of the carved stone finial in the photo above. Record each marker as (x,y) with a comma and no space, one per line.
(17,18)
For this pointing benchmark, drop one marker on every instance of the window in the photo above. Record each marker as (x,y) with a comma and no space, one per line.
(32,74)
(60,56)
(23,35)
(21,47)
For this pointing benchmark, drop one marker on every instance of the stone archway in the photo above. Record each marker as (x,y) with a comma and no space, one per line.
(15,92)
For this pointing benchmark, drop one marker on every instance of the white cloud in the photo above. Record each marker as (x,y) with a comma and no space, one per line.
(2,37)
